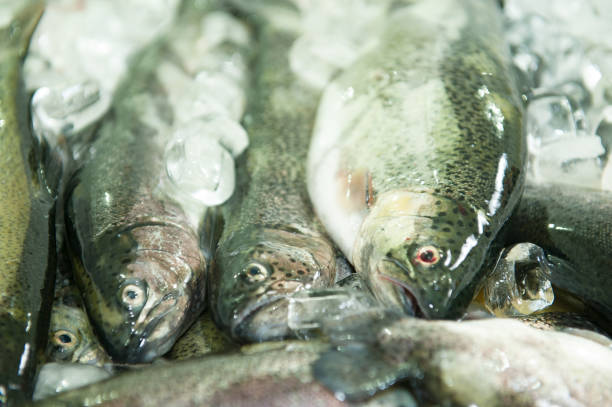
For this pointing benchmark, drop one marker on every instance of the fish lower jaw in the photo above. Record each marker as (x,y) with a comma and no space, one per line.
(404,296)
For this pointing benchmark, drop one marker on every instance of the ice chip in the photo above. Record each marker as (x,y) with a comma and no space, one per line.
(316,59)
(200,169)
(309,309)
(67,110)
(520,282)
(58,377)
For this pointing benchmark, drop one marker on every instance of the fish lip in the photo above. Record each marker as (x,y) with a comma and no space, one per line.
(140,349)
(408,299)
(236,325)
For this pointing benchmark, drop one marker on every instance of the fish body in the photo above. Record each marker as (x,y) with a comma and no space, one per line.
(418,152)
(202,338)
(272,244)
(489,362)
(137,252)
(27,259)
(575,225)
(268,374)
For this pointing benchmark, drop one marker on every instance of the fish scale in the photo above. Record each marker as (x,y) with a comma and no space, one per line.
(272,244)
(419,148)
(27,247)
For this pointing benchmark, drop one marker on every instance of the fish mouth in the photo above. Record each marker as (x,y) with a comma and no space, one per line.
(262,320)
(140,348)
(406,297)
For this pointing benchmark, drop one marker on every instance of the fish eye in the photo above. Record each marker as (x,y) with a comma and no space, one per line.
(256,272)
(427,255)
(64,339)
(133,295)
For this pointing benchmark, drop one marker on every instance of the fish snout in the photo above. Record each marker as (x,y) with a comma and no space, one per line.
(399,285)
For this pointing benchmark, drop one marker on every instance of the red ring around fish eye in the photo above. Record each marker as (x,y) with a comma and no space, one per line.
(428,255)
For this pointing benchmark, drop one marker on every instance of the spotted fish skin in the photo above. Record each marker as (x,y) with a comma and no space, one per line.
(272,244)
(27,259)
(137,254)
(202,338)
(574,224)
(418,152)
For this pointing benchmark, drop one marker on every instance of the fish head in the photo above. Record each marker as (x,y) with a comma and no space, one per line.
(258,271)
(140,298)
(71,338)
(418,252)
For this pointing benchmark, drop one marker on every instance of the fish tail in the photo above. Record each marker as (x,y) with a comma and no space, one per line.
(17,34)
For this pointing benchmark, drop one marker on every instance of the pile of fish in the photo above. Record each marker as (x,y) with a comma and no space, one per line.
(292,203)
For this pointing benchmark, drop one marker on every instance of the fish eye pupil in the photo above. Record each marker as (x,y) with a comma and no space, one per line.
(131,294)
(427,256)
(65,338)
(254,271)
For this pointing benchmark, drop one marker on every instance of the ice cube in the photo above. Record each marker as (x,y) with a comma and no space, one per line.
(199,172)
(308,309)
(519,283)
(58,377)
(67,110)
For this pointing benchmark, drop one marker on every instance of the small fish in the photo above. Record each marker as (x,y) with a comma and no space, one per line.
(27,248)
(418,152)
(267,375)
(71,338)
(202,338)
(489,362)
(272,245)
(136,251)
(574,226)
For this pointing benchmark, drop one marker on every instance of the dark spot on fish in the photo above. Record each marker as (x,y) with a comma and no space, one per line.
(300,272)
(288,275)
(441,213)
(438,203)
(446,230)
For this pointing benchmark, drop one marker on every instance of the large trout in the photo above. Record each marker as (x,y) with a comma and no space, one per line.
(417,156)
(272,244)
(26,222)
(138,260)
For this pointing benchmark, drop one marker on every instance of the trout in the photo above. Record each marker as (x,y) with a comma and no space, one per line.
(27,248)
(418,152)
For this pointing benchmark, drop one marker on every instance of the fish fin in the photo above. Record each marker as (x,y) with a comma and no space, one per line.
(210,232)
(356,371)
(17,33)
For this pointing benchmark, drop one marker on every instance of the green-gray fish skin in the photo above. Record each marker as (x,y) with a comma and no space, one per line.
(27,250)
(264,375)
(71,338)
(418,152)
(272,244)
(574,224)
(202,338)
(137,258)
(489,362)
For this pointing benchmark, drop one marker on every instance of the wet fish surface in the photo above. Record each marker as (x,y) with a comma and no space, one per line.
(418,152)
(137,258)
(573,224)
(27,250)
(71,337)
(490,362)
(268,374)
(272,245)
(202,338)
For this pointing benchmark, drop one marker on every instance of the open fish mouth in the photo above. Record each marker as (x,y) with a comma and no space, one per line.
(406,297)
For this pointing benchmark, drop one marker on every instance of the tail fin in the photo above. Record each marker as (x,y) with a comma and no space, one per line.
(17,34)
